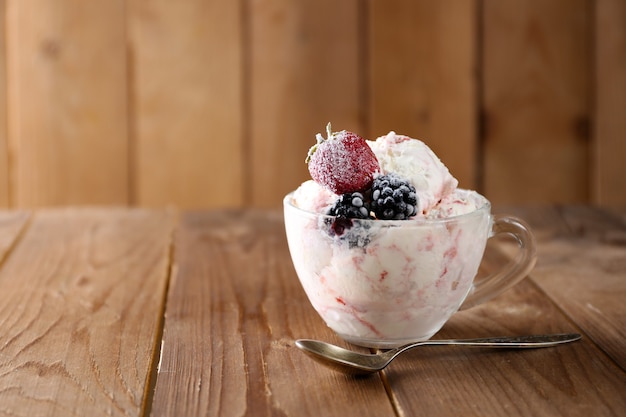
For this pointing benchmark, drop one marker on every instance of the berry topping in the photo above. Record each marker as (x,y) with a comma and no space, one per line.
(351,205)
(343,162)
(393,198)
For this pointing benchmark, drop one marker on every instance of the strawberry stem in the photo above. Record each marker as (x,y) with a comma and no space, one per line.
(319,138)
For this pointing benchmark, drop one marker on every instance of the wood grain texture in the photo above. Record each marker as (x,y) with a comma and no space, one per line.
(84,298)
(148,102)
(4,155)
(187,128)
(11,225)
(536,100)
(422,77)
(559,381)
(304,71)
(582,268)
(234,308)
(67,109)
(81,306)
(608,180)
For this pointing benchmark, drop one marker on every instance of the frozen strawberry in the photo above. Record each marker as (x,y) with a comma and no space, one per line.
(343,162)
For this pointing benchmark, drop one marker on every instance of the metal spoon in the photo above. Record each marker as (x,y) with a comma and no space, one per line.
(356,363)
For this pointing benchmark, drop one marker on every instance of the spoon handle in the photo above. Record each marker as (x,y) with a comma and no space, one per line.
(534,341)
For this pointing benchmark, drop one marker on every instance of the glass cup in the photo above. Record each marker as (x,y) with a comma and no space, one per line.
(385,283)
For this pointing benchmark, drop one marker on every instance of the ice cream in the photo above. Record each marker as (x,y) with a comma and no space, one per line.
(311,196)
(415,161)
(381,283)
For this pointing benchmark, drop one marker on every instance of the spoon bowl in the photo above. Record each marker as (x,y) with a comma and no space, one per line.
(356,363)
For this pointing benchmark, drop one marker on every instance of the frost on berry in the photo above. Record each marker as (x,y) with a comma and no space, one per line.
(343,162)
(351,205)
(393,198)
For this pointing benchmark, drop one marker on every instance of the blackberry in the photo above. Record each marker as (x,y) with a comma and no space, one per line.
(347,207)
(344,230)
(351,206)
(393,198)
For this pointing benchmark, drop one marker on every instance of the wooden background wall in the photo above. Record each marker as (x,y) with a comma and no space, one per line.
(214,103)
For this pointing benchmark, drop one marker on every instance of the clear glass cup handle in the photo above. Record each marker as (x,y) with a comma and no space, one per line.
(512,273)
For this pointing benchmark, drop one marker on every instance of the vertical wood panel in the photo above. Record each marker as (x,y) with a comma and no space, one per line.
(304,72)
(4,157)
(609,177)
(187,102)
(423,77)
(537,100)
(233,92)
(67,110)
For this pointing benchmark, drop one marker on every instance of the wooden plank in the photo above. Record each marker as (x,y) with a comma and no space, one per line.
(536,100)
(588,280)
(570,380)
(187,106)
(4,155)
(422,77)
(81,307)
(234,309)
(608,177)
(581,268)
(67,107)
(11,225)
(305,70)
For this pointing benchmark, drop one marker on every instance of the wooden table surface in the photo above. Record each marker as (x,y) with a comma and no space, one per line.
(133,312)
